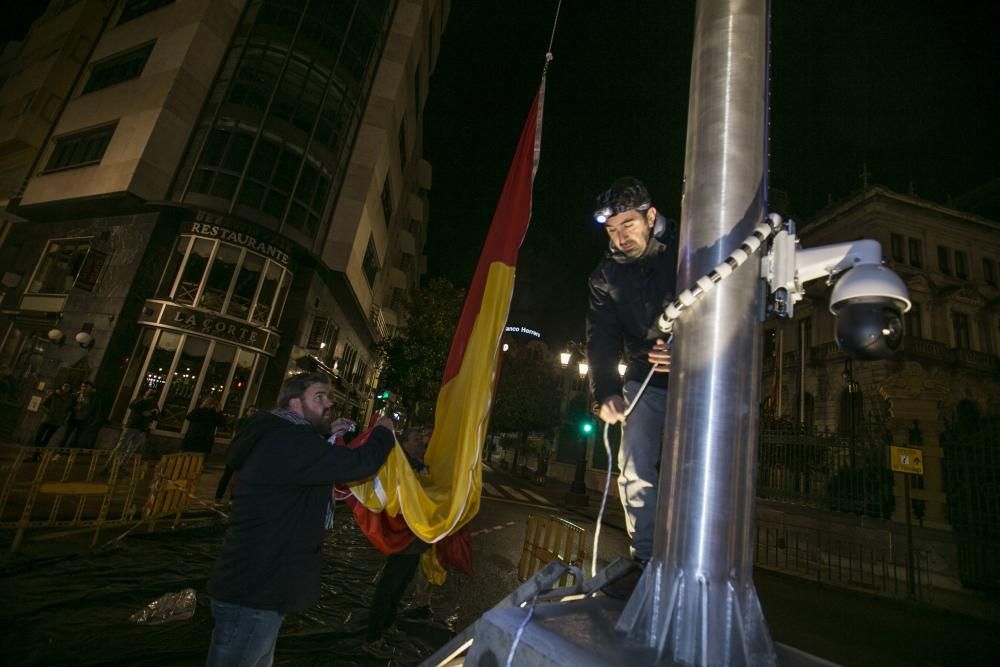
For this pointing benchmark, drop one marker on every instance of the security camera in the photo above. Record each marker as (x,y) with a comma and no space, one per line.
(868,299)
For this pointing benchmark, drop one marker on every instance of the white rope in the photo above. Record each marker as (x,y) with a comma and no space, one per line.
(751,244)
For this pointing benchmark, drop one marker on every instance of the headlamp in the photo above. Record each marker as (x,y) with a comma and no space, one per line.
(605,213)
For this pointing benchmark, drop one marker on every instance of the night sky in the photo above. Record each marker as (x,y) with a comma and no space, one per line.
(907,87)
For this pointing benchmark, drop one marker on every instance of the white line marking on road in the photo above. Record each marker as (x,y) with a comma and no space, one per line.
(537,496)
(515,493)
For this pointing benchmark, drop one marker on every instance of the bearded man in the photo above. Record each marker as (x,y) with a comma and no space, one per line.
(271,557)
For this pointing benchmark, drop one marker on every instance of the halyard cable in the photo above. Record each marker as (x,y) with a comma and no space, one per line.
(751,244)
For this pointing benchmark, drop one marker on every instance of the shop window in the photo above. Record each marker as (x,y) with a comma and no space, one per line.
(194,271)
(896,245)
(81,148)
(370,263)
(233,404)
(268,290)
(916,253)
(160,363)
(180,397)
(220,363)
(347,361)
(989,272)
(944,260)
(133,9)
(960,329)
(246,286)
(173,265)
(220,277)
(60,265)
(118,68)
(135,361)
(961,265)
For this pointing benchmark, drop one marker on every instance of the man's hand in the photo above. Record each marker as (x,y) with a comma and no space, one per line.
(386,422)
(659,356)
(613,409)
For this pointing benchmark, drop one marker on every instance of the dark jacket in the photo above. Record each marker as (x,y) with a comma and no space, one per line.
(201,429)
(136,418)
(626,298)
(273,549)
(58,407)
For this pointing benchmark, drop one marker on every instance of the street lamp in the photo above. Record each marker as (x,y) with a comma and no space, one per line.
(564,358)
(622,367)
(583,368)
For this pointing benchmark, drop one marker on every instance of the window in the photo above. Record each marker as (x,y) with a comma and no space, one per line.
(417,94)
(387,200)
(117,69)
(61,263)
(912,322)
(133,9)
(961,264)
(347,360)
(896,243)
(916,253)
(253,287)
(81,149)
(402,141)
(370,264)
(944,260)
(960,327)
(989,272)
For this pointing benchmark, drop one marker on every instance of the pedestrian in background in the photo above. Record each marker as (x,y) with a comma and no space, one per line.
(143,412)
(85,418)
(56,408)
(272,554)
(202,422)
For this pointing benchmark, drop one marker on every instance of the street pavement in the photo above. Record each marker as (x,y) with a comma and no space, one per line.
(844,626)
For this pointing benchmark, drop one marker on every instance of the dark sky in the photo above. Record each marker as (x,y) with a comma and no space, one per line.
(907,87)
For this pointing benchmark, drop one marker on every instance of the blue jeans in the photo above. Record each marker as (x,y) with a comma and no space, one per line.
(243,637)
(639,463)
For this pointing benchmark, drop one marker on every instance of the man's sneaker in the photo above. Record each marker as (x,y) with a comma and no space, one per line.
(377,649)
(622,587)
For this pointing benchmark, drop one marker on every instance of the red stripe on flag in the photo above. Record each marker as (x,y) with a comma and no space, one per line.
(510,223)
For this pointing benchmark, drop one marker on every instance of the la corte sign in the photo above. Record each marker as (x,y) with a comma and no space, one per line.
(523,330)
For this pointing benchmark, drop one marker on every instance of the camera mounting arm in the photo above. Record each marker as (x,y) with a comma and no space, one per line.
(787,267)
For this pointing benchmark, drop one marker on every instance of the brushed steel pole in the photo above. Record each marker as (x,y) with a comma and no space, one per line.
(696,603)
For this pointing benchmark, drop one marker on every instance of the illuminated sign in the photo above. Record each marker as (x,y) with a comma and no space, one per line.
(523,330)
(181,318)
(206,224)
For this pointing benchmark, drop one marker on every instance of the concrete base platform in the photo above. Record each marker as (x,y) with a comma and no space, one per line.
(576,634)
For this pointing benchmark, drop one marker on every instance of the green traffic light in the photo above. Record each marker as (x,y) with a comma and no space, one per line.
(587,427)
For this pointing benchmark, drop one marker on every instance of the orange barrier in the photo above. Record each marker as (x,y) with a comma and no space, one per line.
(551,539)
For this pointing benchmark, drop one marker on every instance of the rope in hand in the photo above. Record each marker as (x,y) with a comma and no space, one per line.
(751,244)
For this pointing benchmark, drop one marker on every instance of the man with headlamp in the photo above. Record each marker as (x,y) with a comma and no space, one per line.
(629,289)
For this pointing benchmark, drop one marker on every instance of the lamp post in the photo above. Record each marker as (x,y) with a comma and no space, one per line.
(579,485)
(577,494)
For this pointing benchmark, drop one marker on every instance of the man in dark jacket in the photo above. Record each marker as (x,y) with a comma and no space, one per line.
(143,412)
(628,291)
(271,557)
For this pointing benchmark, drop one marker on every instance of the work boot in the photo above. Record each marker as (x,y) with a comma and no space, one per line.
(622,587)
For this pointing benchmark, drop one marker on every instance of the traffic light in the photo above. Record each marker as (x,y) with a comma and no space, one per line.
(384,395)
(586,427)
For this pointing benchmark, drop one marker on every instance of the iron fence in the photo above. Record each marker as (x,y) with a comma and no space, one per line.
(825,470)
(971,470)
(827,557)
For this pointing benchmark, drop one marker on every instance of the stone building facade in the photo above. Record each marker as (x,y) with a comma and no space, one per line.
(949,364)
(229,187)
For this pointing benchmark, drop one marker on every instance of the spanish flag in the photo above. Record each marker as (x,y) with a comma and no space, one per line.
(398,504)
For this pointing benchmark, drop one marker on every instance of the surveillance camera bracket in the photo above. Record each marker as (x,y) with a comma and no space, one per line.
(787,267)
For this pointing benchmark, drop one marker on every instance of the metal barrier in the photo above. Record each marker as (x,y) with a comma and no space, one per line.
(549,539)
(829,558)
(87,489)
(174,481)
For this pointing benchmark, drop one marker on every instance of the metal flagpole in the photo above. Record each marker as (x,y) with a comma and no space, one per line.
(696,603)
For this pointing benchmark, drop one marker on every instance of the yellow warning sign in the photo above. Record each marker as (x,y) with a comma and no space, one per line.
(906,459)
